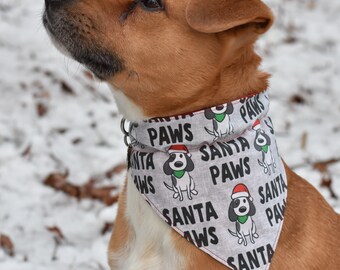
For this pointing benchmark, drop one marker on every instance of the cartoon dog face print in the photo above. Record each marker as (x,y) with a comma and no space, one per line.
(241,207)
(262,143)
(220,116)
(178,162)
(241,210)
(178,166)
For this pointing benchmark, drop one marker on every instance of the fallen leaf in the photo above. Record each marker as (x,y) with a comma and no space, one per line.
(116,170)
(66,88)
(107,228)
(41,109)
(322,166)
(298,99)
(290,40)
(7,245)
(89,190)
(304,139)
(327,182)
(77,140)
(56,232)
(27,151)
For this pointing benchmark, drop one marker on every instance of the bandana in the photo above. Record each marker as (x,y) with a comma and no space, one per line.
(220,183)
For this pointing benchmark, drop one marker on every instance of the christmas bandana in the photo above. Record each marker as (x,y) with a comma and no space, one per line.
(216,177)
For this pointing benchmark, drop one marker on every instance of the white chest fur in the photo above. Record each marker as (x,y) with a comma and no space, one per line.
(151,247)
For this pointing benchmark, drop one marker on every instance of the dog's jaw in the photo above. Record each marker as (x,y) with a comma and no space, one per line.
(127,107)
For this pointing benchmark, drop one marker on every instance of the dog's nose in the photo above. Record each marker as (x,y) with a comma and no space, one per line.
(261,140)
(243,209)
(220,107)
(178,164)
(53,4)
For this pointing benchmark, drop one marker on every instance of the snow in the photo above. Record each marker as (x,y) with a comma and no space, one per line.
(80,130)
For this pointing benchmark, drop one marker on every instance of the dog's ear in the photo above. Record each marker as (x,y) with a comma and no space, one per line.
(208,113)
(257,147)
(190,164)
(216,16)
(252,210)
(231,213)
(166,168)
(269,141)
(230,108)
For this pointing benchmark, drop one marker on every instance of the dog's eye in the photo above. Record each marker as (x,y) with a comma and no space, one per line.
(151,5)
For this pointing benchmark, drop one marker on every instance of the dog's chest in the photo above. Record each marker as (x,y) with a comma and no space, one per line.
(151,247)
(247,226)
(184,180)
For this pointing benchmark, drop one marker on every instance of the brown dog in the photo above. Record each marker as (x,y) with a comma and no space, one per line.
(167,57)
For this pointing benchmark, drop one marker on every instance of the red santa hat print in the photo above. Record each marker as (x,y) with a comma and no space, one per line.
(239,191)
(257,124)
(179,148)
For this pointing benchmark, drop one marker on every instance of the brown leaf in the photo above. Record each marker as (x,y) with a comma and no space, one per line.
(56,232)
(59,182)
(66,88)
(27,151)
(107,228)
(7,245)
(41,109)
(322,166)
(116,170)
(61,130)
(298,99)
(304,139)
(56,180)
(327,182)
(290,40)
(77,140)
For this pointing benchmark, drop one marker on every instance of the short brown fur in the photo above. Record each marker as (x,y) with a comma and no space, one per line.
(194,55)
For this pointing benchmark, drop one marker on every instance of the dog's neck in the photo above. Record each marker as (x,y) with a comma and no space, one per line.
(239,77)
(200,127)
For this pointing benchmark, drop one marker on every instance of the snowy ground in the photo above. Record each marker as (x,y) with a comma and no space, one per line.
(55,118)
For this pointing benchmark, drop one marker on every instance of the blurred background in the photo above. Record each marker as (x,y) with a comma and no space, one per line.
(62,156)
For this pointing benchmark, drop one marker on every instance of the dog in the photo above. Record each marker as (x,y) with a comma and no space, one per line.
(221,120)
(178,166)
(165,58)
(241,210)
(262,144)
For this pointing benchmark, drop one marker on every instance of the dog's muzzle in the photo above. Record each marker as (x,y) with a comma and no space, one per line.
(52,4)
(65,25)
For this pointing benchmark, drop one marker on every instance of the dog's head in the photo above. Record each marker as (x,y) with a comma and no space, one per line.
(239,207)
(225,108)
(178,162)
(157,48)
(261,140)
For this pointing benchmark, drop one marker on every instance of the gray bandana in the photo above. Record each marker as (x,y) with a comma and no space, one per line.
(216,177)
